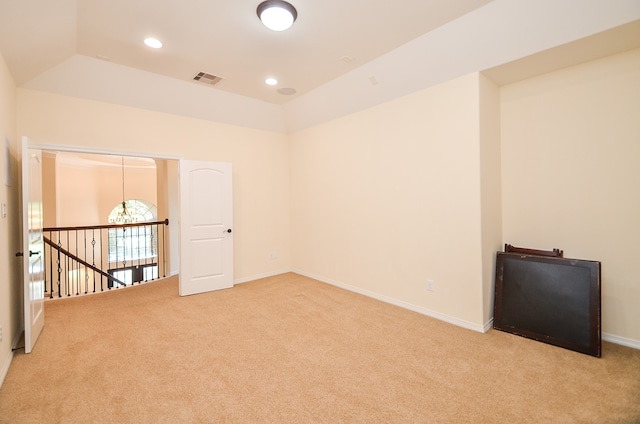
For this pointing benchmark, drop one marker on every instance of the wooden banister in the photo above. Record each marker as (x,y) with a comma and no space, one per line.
(108,226)
(83,262)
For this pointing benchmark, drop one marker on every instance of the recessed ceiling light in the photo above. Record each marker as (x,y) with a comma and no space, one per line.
(271,81)
(153,43)
(277,15)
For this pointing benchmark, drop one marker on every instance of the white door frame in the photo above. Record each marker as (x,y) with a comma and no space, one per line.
(82,149)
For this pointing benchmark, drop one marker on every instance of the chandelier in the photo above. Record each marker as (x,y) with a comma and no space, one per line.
(124,216)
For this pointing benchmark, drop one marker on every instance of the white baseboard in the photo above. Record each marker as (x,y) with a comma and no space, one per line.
(5,367)
(635,344)
(488,326)
(406,305)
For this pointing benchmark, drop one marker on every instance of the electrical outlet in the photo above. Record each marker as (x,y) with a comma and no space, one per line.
(0,334)
(431,285)
(273,255)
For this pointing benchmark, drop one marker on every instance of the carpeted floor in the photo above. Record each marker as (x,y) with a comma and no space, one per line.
(288,349)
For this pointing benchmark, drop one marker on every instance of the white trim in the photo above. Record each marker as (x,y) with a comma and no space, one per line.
(84,149)
(623,341)
(406,305)
(5,367)
(635,344)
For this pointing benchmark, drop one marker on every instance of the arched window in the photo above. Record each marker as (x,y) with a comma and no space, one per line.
(138,210)
(133,248)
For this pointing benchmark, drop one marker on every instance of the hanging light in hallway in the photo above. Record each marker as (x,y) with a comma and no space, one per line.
(124,217)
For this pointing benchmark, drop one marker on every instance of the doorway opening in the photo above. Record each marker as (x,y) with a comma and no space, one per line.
(87,189)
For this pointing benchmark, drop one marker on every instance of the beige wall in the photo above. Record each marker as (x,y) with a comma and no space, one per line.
(389,197)
(490,188)
(571,174)
(49,190)
(260,162)
(10,266)
(86,195)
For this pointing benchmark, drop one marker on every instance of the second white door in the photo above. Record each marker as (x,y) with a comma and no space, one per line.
(32,244)
(206,241)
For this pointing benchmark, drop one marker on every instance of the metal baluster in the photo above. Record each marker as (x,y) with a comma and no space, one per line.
(124,249)
(110,283)
(59,267)
(109,262)
(142,253)
(148,252)
(164,253)
(66,270)
(93,255)
(145,254)
(153,241)
(133,254)
(77,267)
(50,266)
(102,259)
(86,273)
(149,243)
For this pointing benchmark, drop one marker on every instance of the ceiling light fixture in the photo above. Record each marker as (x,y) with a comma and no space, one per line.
(124,216)
(277,15)
(271,81)
(153,43)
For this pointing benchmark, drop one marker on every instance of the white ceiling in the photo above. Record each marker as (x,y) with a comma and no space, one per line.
(368,53)
(220,37)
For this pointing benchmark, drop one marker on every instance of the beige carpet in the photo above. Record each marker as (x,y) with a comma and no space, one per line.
(288,349)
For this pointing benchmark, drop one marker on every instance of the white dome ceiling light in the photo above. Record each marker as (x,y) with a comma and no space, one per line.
(153,43)
(277,15)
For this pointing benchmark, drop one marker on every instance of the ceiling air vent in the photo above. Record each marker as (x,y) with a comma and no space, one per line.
(208,79)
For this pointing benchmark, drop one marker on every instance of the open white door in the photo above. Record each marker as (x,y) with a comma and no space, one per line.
(32,244)
(206,238)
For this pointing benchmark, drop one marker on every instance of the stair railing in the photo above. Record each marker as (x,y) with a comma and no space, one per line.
(90,259)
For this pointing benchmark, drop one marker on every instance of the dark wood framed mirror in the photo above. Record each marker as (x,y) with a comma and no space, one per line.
(550,299)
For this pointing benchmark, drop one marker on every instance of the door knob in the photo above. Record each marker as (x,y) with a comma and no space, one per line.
(228,230)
